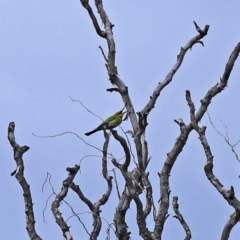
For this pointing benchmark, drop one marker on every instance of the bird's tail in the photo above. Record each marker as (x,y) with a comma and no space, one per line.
(91,132)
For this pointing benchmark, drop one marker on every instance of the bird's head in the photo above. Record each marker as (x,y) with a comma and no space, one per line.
(120,113)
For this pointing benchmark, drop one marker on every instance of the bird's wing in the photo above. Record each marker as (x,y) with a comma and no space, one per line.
(115,122)
(110,119)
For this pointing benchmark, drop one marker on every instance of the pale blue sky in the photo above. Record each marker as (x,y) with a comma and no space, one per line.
(49,50)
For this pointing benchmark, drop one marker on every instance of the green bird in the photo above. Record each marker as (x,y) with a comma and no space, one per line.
(110,123)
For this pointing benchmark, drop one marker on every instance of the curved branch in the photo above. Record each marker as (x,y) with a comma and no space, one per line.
(94,20)
(229,195)
(234,219)
(123,143)
(149,198)
(59,198)
(181,141)
(18,152)
(95,208)
(161,85)
(180,218)
(219,86)
(141,221)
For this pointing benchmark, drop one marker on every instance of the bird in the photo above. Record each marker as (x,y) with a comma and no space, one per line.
(110,123)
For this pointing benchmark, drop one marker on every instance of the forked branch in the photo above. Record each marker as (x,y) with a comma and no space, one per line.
(59,198)
(95,208)
(161,85)
(181,141)
(228,194)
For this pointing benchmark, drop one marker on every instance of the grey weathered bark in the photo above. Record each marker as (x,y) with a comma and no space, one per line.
(133,188)
(180,218)
(234,219)
(18,152)
(137,179)
(95,208)
(59,198)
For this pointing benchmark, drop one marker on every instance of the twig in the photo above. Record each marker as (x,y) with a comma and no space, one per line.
(67,132)
(103,54)
(86,108)
(226,138)
(115,180)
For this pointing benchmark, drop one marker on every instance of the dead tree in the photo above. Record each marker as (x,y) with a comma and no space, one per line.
(137,181)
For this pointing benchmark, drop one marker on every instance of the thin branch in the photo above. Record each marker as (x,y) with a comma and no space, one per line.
(129,145)
(229,195)
(18,152)
(86,108)
(77,216)
(162,214)
(115,180)
(94,20)
(104,219)
(219,86)
(161,85)
(95,208)
(68,132)
(103,54)
(90,155)
(181,141)
(124,145)
(149,198)
(180,218)
(59,198)
(112,69)
(226,138)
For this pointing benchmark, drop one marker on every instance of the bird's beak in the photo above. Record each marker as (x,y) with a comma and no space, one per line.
(119,112)
(126,117)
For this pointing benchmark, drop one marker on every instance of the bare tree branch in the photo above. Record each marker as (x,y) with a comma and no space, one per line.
(226,138)
(181,141)
(59,198)
(68,132)
(123,143)
(86,108)
(115,180)
(229,195)
(18,152)
(180,218)
(234,219)
(95,208)
(219,86)
(141,221)
(161,85)
(149,198)
(112,69)
(94,20)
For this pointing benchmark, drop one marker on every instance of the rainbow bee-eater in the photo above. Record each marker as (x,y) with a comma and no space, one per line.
(110,123)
